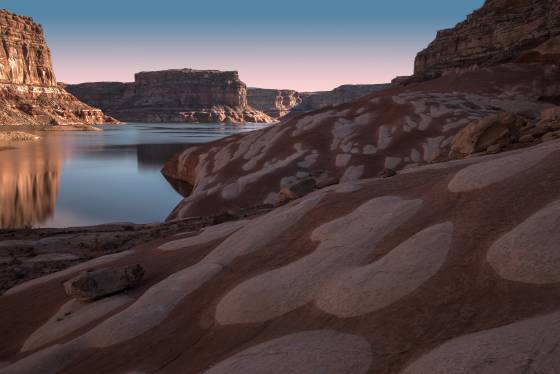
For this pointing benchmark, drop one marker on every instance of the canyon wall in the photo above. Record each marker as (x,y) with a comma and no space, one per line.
(278,103)
(340,95)
(275,103)
(178,95)
(29,94)
(501,31)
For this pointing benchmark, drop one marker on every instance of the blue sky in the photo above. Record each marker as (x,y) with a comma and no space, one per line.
(306,45)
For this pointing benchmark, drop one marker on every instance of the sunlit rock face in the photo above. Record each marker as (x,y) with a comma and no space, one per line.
(501,31)
(28,189)
(176,95)
(29,94)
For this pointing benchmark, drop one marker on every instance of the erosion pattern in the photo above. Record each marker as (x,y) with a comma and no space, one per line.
(374,276)
(399,128)
(179,95)
(29,94)
(501,31)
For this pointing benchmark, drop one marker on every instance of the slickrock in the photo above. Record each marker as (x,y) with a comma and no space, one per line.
(403,274)
(29,93)
(396,129)
(501,31)
(178,95)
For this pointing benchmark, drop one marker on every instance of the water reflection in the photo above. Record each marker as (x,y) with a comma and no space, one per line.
(29,184)
(87,178)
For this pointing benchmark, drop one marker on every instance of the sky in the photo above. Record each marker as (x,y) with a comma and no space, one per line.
(307,45)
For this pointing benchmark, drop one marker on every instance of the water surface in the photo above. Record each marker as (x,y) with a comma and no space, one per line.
(79,178)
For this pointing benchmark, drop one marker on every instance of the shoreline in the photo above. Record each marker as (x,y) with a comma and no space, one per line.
(30,253)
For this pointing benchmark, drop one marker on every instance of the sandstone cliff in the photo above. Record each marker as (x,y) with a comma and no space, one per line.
(275,103)
(340,95)
(29,94)
(279,103)
(178,95)
(501,31)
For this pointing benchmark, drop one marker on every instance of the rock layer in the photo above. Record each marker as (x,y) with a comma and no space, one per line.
(178,95)
(501,31)
(29,94)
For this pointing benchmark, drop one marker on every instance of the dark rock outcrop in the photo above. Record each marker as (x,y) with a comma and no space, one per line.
(501,31)
(95,284)
(29,94)
(179,95)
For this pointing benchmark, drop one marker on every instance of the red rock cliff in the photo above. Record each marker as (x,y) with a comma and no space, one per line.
(29,94)
(501,31)
(178,95)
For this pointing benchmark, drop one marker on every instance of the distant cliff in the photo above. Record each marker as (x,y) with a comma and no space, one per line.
(179,95)
(275,103)
(29,94)
(501,31)
(278,103)
(341,95)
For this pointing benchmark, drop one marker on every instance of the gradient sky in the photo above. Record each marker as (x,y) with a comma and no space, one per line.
(306,45)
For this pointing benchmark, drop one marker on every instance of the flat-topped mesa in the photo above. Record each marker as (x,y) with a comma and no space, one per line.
(29,93)
(501,31)
(194,89)
(176,95)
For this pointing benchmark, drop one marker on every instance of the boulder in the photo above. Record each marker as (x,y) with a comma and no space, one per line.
(99,283)
(493,131)
(297,190)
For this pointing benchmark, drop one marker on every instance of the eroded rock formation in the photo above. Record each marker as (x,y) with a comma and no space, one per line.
(179,95)
(29,94)
(275,103)
(501,31)
(340,95)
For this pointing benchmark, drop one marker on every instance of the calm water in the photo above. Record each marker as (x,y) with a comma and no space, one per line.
(87,178)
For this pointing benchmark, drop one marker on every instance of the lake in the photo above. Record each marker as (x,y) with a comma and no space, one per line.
(80,178)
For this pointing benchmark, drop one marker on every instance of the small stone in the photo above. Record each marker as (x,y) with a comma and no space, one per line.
(527,138)
(494,148)
(297,190)
(387,173)
(95,284)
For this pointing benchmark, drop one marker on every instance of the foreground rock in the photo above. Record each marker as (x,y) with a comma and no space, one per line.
(409,274)
(95,284)
(29,94)
(178,95)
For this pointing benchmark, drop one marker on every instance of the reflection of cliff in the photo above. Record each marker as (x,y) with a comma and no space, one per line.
(29,182)
(154,156)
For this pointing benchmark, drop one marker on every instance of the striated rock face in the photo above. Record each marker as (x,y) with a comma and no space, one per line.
(180,95)
(501,31)
(275,103)
(29,94)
